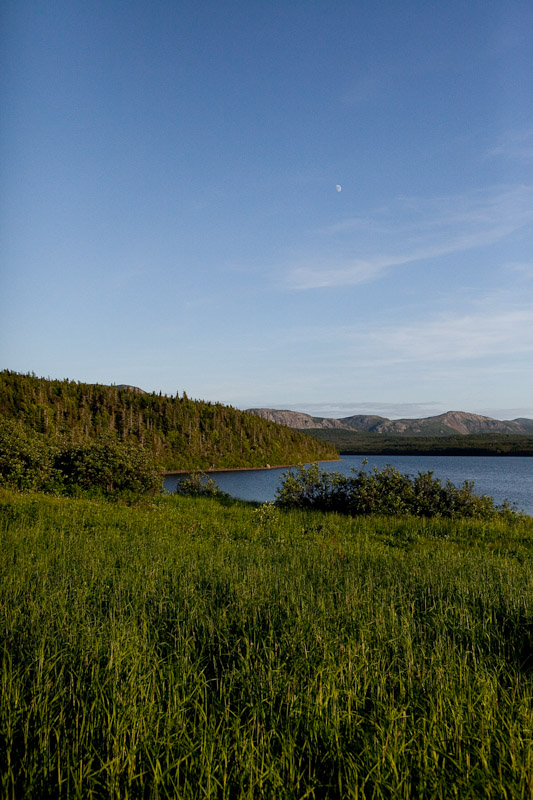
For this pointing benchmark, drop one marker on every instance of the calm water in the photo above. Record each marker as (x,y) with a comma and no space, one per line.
(502,478)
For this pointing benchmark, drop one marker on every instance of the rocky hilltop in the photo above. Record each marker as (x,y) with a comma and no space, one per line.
(450,423)
(296,419)
(125,387)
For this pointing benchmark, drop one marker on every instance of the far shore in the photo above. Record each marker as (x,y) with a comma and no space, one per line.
(246,469)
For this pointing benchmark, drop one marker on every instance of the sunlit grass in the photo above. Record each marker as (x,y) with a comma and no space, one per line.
(187,649)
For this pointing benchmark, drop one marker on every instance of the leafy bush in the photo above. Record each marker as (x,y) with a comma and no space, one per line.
(29,461)
(108,465)
(198,484)
(25,458)
(385,491)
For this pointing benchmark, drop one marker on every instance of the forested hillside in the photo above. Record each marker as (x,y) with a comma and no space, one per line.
(481,444)
(180,433)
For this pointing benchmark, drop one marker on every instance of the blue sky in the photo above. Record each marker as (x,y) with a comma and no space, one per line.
(171,217)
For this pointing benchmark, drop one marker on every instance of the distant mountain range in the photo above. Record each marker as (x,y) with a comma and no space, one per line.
(450,423)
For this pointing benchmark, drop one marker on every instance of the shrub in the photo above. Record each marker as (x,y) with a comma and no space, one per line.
(385,491)
(107,465)
(198,484)
(29,461)
(25,458)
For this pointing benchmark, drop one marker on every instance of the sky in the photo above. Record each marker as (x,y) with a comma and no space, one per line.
(324,207)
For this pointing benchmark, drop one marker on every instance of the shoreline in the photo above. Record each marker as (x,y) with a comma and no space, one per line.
(366,454)
(455,454)
(248,469)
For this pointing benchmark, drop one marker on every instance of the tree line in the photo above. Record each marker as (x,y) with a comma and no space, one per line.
(356,443)
(177,433)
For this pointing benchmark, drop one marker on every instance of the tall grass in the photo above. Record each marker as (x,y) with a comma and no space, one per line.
(187,649)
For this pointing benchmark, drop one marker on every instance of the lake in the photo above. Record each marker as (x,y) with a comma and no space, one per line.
(503,478)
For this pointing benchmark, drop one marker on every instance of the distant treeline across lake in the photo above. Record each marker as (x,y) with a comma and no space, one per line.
(503,478)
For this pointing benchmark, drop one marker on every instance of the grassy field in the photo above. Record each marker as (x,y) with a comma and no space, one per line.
(185,648)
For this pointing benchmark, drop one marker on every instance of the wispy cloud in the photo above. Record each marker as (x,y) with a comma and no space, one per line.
(412,230)
(496,330)
(456,360)
(389,410)
(508,413)
(523,268)
(452,338)
(516,145)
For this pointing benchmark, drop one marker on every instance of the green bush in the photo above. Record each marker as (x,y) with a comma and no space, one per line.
(107,465)
(198,484)
(29,461)
(386,492)
(25,458)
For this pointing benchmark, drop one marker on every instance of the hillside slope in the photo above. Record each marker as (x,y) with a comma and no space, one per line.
(179,432)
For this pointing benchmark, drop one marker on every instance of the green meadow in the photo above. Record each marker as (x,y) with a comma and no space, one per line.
(206,648)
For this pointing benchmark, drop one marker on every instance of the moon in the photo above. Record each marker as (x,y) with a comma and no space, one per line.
(338,187)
